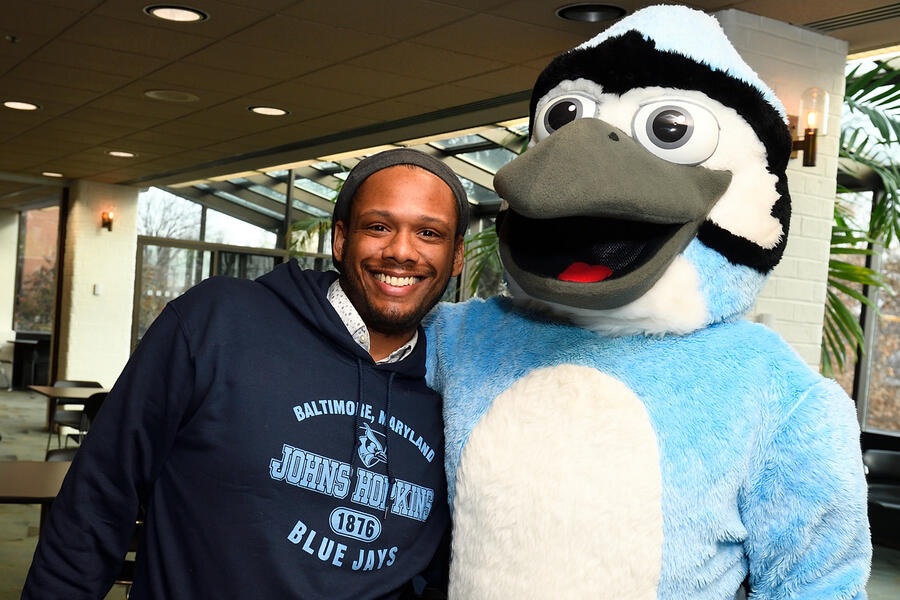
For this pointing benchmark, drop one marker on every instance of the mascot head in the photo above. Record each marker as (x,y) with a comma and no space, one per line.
(653,197)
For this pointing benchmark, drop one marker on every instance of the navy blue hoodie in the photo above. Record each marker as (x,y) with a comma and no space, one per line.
(261,439)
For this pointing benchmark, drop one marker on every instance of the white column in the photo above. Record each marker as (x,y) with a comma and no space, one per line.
(9,240)
(97,283)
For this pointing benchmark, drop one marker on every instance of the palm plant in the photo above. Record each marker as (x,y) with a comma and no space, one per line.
(868,143)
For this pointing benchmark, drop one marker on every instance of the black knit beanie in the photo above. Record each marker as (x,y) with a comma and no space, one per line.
(392,158)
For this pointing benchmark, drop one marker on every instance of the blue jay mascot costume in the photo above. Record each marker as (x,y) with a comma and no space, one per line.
(615,429)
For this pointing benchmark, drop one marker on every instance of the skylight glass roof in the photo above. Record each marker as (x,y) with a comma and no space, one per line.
(323,191)
(478,193)
(490,160)
(459,142)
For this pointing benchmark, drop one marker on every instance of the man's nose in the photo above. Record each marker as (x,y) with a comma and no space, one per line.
(402,247)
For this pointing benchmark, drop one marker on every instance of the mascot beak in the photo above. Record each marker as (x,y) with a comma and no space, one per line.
(595,219)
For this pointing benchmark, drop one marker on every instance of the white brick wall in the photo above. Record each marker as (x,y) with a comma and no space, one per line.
(9,238)
(95,330)
(790,60)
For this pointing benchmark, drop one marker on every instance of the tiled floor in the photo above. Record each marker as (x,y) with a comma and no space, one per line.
(21,425)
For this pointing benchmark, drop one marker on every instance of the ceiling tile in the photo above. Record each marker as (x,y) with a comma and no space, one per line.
(540,12)
(129,122)
(43,94)
(287,34)
(301,95)
(140,106)
(133,37)
(25,45)
(55,131)
(503,81)
(190,76)
(435,64)
(445,96)
(200,132)
(479,5)
(333,124)
(136,89)
(501,39)
(402,19)
(224,17)
(232,117)
(69,123)
(82,6)
(22,18)
(86,84)
(355,80)
(144,147)
(233,56)
(805,12)
(159,137)
(103,60)
(389,110)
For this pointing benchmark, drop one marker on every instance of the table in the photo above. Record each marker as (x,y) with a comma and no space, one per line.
(73,395)
(31,482)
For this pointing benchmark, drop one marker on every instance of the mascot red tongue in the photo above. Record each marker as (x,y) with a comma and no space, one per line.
(585,273)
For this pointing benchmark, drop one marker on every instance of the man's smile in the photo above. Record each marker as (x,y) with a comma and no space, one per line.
(395,281)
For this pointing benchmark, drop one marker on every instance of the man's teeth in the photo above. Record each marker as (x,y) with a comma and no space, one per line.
(396,281)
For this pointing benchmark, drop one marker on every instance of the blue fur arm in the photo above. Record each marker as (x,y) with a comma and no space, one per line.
(805,506)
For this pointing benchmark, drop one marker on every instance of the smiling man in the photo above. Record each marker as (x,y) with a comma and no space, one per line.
(279,433)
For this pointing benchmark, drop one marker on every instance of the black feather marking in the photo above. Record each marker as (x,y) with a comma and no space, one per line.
(630,61)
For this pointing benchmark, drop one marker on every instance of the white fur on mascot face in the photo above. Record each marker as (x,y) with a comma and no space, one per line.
(729,240)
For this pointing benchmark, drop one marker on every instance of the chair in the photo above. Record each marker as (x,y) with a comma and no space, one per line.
(883,477)
(66,418)
(91,408)
(6,360)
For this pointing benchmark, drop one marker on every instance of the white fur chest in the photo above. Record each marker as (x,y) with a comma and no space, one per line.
(568,503)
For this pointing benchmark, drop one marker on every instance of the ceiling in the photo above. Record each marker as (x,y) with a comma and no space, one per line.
(351,73)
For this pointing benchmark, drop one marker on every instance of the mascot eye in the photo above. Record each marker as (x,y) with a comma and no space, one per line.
(677,131)
(562,111)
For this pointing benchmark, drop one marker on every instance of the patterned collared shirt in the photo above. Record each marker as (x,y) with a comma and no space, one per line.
(358,331)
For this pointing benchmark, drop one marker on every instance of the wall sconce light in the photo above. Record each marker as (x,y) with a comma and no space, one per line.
(814,118)
(106,219)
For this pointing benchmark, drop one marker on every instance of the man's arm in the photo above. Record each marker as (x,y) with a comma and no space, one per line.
(86,536)
(805,509)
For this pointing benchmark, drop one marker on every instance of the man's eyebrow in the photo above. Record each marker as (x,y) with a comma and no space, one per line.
(387,215)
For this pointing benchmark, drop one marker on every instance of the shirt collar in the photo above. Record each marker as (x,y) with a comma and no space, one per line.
(357,328)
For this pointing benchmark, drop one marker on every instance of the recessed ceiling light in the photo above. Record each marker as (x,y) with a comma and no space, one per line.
(172,12)
(269,111)
(588,12)
(15,105)
(171,96)
(51,174)
(121,154)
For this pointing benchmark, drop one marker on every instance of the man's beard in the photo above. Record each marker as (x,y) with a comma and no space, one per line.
(392,322)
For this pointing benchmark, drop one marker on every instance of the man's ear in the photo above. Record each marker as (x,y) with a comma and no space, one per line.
(459,255)
(337,244)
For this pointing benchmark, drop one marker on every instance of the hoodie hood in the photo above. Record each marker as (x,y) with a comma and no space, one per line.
(305,291)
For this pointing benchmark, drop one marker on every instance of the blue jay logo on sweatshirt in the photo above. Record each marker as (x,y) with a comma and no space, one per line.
(371,451)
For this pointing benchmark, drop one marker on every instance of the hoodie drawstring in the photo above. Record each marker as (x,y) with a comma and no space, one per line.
(387,436)
(359,377)
(387,440)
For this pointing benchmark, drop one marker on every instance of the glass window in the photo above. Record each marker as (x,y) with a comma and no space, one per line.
(460,142)
(478,193)
(36,283)
(323,191)
(491,159)
(223,229)
(166,273)
(165,215)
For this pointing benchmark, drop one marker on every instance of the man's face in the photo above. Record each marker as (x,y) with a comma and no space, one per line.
(399,249)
